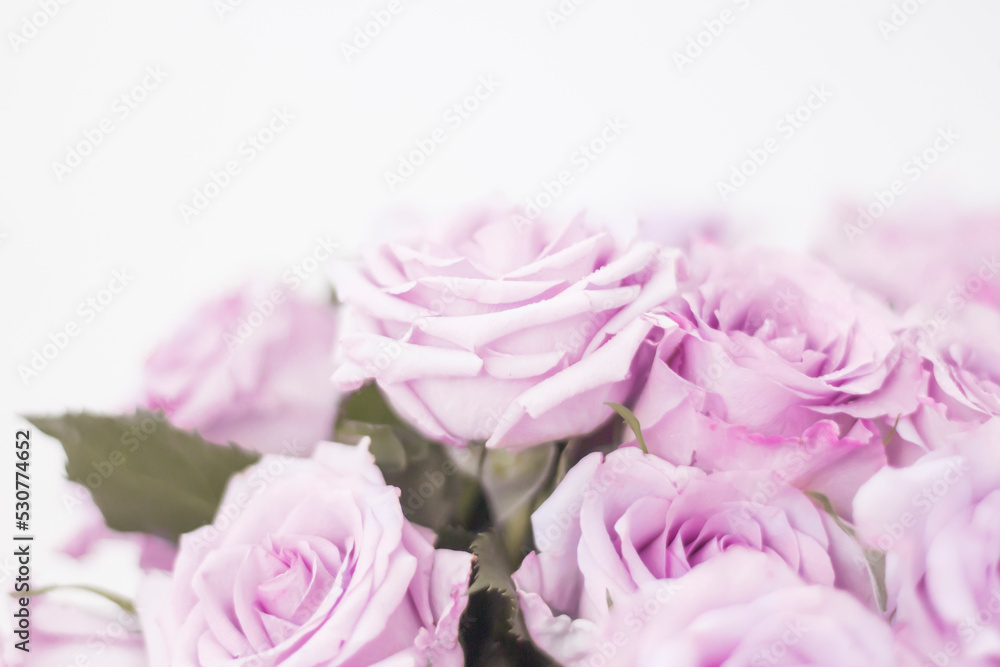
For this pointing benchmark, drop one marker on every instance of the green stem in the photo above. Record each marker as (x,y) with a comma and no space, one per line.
(122,602)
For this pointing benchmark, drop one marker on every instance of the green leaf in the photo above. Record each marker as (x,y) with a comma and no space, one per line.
(146,475)
(434,490)
(493,574)
(632,421)
(388,450)
(367,405)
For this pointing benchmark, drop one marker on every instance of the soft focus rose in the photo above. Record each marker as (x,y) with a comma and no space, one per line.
(64,635)
(614,524)
(961,367)
(939,257)
(501,329)
(89,530)
(819,459)
(938,521)
(775,342)
(251,368)
(318,567)
(741,608)
(965,363)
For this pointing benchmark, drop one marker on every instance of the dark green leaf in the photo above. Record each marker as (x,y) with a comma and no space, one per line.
(386,447)
(493,574)
(367,405)
(146,475)
(435,489)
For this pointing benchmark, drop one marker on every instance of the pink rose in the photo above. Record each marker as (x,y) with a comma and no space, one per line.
(938,520)
(939,257)
(309,562)
(617,523)
(66,635)
(502,330)
(741,608)
(90,530)
(251,368)
(961,383)
(819,459)
(775,342)
(965,364)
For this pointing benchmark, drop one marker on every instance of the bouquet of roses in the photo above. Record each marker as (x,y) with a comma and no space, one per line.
(529,441)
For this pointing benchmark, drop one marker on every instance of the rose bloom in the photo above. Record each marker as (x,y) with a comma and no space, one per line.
(774,342)
(961,383)
(617,523)
(62,635)
(90,531)
(741,608)
(819,459)
(938,520)
(309,562)
(502,329)
(939,256)
(251,368)
(965,364)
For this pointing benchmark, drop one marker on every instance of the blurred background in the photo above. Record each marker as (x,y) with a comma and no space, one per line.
(154,155)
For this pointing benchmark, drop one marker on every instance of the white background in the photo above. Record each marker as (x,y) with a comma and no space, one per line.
(324,174)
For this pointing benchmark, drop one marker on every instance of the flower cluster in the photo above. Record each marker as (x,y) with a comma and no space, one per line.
(804,471)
